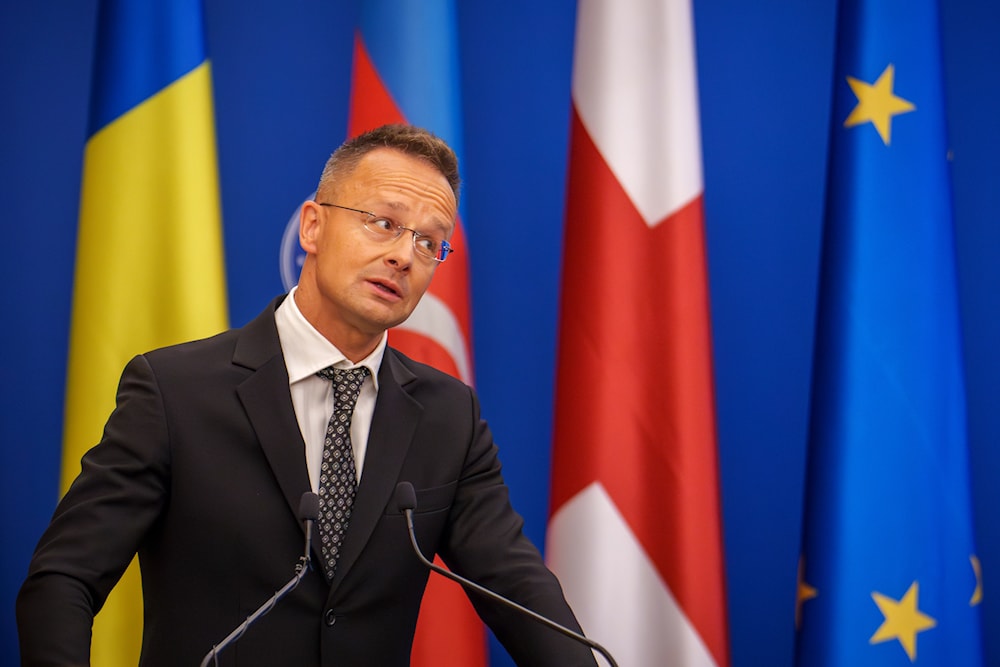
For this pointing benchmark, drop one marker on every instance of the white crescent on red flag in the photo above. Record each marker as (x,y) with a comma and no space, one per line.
(635,532)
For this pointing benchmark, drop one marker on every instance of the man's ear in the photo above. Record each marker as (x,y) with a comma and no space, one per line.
(309,226)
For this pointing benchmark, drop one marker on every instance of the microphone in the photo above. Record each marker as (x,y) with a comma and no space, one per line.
(406,501)
(308,512)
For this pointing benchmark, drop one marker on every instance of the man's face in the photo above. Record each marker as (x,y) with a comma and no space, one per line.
(363,285)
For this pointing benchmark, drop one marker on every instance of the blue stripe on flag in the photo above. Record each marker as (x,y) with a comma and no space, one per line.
(142,47)
(414,47)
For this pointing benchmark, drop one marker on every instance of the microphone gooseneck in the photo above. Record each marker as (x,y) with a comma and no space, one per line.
(308,512)
(406,502)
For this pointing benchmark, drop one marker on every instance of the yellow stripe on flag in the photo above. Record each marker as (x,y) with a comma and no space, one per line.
(149,273)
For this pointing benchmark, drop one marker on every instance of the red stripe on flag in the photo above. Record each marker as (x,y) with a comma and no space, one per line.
(635,408)
(371,103)
(451,636)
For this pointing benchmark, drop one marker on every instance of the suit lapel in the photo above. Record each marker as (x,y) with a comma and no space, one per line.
(393,425)
(268,404)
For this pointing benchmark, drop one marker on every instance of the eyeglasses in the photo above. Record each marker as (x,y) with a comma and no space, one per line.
(384,229)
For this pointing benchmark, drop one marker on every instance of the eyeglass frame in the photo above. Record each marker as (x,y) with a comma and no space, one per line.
(446,248)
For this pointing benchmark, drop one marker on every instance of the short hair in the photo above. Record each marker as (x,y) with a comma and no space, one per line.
(407,139)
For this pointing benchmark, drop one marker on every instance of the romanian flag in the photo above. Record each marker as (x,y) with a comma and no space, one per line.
(889,573)
(149,268)
(406,70)
(635,532)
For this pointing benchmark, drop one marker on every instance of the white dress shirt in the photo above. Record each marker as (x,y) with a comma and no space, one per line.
(306,351)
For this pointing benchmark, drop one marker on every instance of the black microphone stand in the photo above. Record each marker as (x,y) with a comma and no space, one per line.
(406,500)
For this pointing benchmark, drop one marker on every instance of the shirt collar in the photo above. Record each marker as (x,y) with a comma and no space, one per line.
(307,351)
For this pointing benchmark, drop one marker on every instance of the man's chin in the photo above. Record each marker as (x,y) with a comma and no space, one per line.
(394,320)
(382,315)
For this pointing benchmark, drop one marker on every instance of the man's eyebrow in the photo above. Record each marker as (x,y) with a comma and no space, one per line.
(436,222)
(397,205)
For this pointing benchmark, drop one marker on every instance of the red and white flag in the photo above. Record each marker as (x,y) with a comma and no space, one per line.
(635,532)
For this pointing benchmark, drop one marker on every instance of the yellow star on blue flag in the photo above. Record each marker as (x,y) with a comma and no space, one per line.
(903,620)
(877,104)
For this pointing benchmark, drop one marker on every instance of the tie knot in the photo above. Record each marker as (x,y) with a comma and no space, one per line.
(346,385)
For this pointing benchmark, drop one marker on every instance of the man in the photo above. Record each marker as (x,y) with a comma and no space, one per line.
(212,444)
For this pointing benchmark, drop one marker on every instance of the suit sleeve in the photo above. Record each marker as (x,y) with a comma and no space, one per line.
(485,543)
(97,527)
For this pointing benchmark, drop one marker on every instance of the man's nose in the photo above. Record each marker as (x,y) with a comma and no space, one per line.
(401,251)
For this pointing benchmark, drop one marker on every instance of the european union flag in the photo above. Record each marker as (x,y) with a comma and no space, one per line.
(889,573)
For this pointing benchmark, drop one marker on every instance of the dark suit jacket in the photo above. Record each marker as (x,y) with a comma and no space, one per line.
(200,470)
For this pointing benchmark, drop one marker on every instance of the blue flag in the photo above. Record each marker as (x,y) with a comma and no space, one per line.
(889,573)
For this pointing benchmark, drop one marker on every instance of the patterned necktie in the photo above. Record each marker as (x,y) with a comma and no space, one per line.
(337,479)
